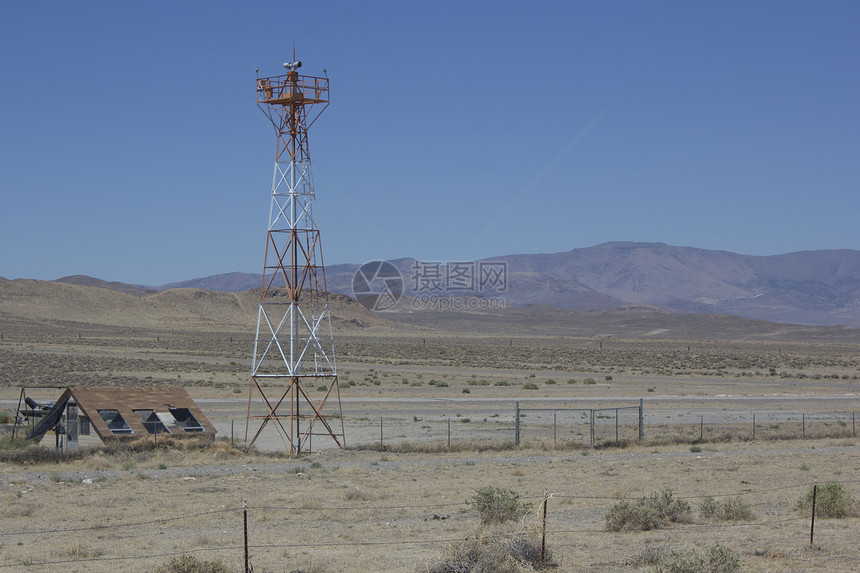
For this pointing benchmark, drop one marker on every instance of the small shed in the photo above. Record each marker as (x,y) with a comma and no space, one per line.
(123,413)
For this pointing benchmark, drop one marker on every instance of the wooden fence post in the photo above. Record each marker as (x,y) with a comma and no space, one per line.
(592,427)
(517,425)
(245,517)
(616,426)
(543,533)
(812,523)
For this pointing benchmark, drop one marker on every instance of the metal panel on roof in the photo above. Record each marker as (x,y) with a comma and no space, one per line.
(126,400)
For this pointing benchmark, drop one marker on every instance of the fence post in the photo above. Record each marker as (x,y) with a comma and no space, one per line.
(641,418)
(380,433)
(245,517)
(592,427)
(517,425)
(449,433)
(616,426)
(543,533)
(853,427)
(803,429)
(812,523)
(701,429)
(753,426)
(554,426)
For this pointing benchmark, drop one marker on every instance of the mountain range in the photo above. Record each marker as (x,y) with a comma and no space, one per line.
(809,287)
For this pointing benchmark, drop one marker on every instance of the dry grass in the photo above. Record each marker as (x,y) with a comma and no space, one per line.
(398,510)
(360,511)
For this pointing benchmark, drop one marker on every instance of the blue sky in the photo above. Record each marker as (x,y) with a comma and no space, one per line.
(132,149)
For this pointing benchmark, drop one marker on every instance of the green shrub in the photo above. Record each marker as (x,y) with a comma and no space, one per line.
(647,513)
(709,508)
(5,418)
(530,386)
(626,516)
(190,564)
(497,505)
(717,559)
(589,381)
(668,507)
(736,509)
(732,509)
(831,500)
(495,553)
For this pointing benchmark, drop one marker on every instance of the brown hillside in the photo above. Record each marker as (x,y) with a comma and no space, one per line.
(183,309)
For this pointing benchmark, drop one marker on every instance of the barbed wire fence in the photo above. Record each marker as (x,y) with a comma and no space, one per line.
(565,516)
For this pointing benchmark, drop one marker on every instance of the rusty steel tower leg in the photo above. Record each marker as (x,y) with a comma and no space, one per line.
(294,366)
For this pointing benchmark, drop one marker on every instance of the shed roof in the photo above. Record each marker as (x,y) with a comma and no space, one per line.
(172,407)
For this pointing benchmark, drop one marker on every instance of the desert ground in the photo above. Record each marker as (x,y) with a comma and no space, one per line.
(444,404)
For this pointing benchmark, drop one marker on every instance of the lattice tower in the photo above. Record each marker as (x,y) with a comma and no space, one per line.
(294,363)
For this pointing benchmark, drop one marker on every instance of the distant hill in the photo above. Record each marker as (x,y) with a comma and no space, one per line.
(62,304)
(227,282)
(115,286)
(809,287)
(57,307)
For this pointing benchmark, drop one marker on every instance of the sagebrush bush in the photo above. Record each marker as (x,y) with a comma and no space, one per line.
(497,505)
(190,564)
(717,559)
(736,509)
(732,509)
(832,500)
(709,508)
(668,507)
(493,552)
(647,513)
(626,516)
